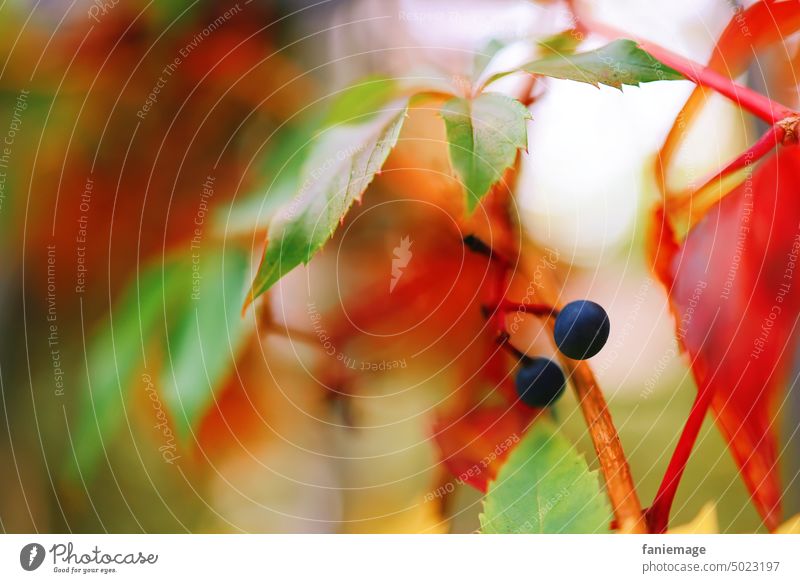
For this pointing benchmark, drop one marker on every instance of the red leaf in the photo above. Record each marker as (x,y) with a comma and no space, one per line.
(736,302)
(750,30)
(473,446)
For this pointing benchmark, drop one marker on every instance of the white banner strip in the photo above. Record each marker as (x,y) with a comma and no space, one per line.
(401,558)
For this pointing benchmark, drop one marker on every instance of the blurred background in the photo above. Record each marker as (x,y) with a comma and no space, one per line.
(145,146)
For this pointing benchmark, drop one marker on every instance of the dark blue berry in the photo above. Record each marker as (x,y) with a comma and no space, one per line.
(581,329)
(540,382)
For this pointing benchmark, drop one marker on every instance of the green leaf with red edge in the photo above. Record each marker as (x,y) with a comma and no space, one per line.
(732,290)
(485,134)
(340,167)
(473,446)
(545,486)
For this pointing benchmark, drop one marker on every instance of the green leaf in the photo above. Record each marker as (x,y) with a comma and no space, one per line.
(277,179)
(287,149)
(205,333)
(341,165)
(484,135)
(358,102)
(562,43)
(619,63)
(170,14)
(484,57)
(545,486)
(33,108)
(115,354)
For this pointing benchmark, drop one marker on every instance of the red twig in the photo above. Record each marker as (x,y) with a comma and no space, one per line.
(760,105)
(528,98)
(763,146)
(526,308)
(498,312)
(658,514)
(773,137)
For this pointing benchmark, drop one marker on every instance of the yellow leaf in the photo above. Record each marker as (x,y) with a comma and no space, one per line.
(424,518)
(791,526)
(704,523)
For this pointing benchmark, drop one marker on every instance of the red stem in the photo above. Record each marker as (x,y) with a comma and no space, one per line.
(765,144)
(538,309)
(499,316)
(754,102)
(658,514)
(498,312)
(760,105)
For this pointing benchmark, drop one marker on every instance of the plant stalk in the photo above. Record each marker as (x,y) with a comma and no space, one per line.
(773,137)
(658,513)
(614,465)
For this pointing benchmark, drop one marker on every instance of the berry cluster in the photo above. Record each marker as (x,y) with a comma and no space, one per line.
(581,331)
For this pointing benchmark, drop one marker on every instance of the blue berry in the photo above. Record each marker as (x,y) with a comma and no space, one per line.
(581,329)
(540,382)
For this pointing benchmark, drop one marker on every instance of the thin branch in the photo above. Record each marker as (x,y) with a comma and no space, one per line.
(764,145)
(658,513)
(773,137)
(506,307)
